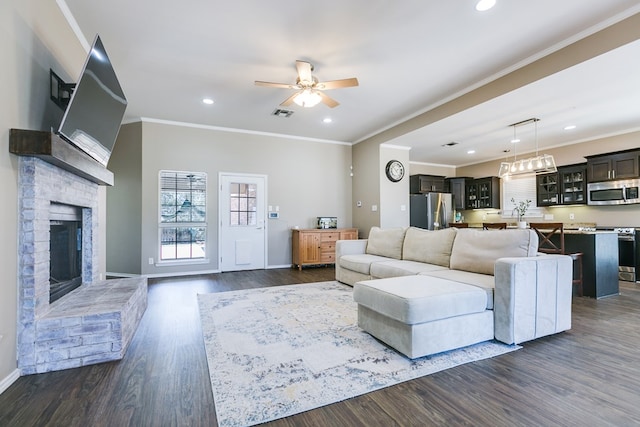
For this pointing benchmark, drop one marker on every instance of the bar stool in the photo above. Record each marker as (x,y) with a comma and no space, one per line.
(547,230)
(459,224)
(494,225)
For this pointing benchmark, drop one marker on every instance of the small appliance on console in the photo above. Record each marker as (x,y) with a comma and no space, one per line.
(327,222)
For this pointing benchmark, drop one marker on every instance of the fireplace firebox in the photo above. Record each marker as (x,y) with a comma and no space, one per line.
(65,250)
(65,264)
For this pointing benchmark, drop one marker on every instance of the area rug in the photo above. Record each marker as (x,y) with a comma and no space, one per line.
(275,352)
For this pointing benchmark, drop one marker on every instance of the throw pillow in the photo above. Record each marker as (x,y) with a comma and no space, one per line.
(432,247)
(387,242)
(478,250)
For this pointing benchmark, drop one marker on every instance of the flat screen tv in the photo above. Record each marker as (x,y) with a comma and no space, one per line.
(94,114)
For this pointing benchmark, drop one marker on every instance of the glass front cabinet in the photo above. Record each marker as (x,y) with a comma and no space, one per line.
(568,186)
(573,184)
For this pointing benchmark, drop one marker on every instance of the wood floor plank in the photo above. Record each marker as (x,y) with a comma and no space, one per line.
(589,375)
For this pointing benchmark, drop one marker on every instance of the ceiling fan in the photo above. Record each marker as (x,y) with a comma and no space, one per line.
(309,88)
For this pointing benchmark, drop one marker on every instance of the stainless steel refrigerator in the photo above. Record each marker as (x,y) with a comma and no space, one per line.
(431,211)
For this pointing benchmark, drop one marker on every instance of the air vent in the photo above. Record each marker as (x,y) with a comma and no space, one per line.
(450,144)
(279,112)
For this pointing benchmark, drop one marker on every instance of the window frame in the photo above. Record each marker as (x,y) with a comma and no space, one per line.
(163,225)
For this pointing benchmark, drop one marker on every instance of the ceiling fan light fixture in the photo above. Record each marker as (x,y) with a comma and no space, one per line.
(484,5)
(307,98)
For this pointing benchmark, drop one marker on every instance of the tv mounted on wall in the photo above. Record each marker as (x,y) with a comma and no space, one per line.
(94,112)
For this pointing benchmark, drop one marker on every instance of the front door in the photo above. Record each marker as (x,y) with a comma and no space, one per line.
(242,232)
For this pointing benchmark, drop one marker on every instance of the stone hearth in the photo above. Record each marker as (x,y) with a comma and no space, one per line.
(93,323)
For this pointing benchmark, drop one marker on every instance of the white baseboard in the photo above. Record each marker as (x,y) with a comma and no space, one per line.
(10,379)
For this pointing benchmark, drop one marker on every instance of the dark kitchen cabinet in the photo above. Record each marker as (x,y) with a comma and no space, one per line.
(483,193)
(458,187)
(420,184)
(573,184)
(568,186)
(618,165)
(547,189)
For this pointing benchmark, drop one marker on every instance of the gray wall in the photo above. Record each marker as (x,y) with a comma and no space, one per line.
(366,186)
(305,179)
(34,37)
(124,203)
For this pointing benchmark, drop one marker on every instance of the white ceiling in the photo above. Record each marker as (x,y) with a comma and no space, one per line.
(408,55)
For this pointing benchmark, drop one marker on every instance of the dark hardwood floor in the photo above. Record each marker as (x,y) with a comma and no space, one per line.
(589,375)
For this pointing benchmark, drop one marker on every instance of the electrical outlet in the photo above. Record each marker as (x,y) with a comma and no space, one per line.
(572,216)
(150,261)
(374,208)
(484,217)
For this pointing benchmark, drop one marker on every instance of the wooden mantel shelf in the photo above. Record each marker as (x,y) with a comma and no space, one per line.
(52,149)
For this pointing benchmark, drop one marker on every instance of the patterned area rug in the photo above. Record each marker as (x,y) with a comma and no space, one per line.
(275,352)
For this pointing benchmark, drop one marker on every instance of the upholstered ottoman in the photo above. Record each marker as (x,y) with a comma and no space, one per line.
(422,315)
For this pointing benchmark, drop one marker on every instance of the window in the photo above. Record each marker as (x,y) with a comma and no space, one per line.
(519,188)
(183,215)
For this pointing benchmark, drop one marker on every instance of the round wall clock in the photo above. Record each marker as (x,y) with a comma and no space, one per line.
(394,170)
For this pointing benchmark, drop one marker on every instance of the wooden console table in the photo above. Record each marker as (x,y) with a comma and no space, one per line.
(318,246)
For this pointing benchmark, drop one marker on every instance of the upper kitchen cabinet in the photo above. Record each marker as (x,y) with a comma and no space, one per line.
(610,166)
(483,193)
(567,186)
(547,189)
(573,185)
(420,184)
(458,187)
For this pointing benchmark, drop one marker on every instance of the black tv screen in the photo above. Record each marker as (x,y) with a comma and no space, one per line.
(93,117)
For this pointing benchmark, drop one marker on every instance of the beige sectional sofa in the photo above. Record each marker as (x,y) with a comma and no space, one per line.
(417,290)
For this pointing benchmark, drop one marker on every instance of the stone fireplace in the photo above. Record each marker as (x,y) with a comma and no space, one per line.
(95,321)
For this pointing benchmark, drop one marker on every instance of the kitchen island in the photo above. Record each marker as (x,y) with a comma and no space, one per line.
(599,262)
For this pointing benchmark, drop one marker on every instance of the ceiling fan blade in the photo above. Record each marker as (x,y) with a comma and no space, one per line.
(289,100)
(279,85)
(337,84)
(304,71)
(328,101)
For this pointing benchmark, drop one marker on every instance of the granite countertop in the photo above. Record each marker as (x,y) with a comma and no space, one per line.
(569,227)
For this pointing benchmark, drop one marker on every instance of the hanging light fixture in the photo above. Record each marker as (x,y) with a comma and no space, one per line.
(540,163)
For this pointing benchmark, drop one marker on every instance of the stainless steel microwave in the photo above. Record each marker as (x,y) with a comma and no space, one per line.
(621,192)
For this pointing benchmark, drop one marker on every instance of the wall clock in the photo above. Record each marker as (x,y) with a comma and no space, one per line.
(394,170)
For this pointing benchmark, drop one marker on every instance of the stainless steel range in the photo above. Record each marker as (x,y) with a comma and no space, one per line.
(628,252)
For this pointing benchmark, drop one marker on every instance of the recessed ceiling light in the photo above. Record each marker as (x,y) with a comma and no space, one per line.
(471,151)
(483,5)
(207,101)
(327,120)
(515,140)
(570,127)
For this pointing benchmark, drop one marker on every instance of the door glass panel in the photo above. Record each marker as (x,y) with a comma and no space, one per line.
(242,204)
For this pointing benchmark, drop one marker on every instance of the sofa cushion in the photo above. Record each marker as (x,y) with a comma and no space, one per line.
(419,299)
(486,282)
(360,263)
(387,242)
(431,247)
(395,268)
(477,250)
